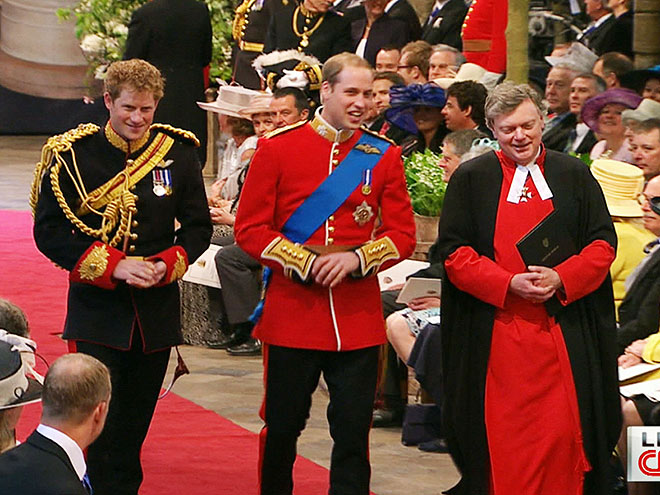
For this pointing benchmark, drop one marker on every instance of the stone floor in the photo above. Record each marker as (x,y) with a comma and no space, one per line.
(232,387)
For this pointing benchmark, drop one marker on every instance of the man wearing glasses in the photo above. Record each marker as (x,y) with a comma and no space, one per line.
(414,63)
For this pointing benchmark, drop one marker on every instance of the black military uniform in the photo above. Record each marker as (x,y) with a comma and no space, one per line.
(249,31)
(321,35)
(131,330)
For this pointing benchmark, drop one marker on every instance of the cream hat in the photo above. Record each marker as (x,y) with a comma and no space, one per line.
(467,72)
(621,184)
(647,109)
(230,101)
(258,104)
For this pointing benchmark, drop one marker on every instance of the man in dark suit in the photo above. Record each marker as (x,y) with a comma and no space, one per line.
(597,32)
(75,400)
(444,23)
(401,9)
(586,85)
(561,121)
(639,312)
(175,36)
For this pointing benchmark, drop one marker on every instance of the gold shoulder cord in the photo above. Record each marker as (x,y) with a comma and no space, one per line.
(117,212)
(306,32)
(241,19)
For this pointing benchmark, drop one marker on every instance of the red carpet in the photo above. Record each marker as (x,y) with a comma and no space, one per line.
(189,450)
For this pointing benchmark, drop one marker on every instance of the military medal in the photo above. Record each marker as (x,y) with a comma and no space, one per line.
(162,182)
(363,213)
(366,182)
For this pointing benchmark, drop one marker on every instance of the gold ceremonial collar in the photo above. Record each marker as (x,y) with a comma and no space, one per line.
(120,143)
(324,129)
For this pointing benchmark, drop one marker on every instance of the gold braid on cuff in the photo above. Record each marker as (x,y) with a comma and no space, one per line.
(292,257)
(375,253)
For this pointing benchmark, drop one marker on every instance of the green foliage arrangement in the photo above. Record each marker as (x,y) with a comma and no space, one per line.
(425,184)
(102,28)
(582,156)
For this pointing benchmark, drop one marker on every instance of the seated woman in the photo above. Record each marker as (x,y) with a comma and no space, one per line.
(602,114)
(18,383)
(202,312)
(645,81)
(622,184)
(417,109)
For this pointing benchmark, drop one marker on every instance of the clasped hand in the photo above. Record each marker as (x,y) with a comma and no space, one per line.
(538,285)
(140,273)
(330,269)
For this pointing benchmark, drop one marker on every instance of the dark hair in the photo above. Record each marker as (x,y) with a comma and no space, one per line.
(470,93)
(419,53)
(240,127)
(13,319)
(617,63)
(598,81)
(74,386)
(390,48)
(393,77)
(300,100)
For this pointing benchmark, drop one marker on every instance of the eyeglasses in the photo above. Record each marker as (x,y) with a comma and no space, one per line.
(404,66)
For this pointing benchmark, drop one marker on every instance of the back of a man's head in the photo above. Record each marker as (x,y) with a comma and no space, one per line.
(74,386)
(611,66)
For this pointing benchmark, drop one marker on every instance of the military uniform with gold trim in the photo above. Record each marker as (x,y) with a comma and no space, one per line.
(322,35)
(249,29)
(95,203)
(307,328)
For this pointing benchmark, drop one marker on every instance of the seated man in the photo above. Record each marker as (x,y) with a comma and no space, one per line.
(75,401)
(465,107)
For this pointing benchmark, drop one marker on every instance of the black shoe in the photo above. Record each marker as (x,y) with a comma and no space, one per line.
(436,445)
(250,348)
(224,342)
(383,418)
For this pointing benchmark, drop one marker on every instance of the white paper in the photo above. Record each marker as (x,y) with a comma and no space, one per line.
(396,275)
(203,270)
(419,287)
(650,388)
(637,370)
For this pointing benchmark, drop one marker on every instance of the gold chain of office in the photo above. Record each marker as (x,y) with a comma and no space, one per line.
(306,33)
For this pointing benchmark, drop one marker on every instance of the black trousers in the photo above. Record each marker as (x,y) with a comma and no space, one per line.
(113,460)
(291,377)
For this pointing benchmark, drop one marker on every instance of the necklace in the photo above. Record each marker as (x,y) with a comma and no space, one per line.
(306,32)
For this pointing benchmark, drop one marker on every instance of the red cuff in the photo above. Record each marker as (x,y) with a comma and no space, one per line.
(96,266)
(176,260)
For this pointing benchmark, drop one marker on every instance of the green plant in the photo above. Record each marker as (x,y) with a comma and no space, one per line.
(425,184)
(102,28)
(582,156)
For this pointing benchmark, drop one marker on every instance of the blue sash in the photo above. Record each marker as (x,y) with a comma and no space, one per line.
(328,197)
(335,189)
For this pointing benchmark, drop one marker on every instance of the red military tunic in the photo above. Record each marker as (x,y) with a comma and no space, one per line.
(531,412)
(285,170)
(484,42)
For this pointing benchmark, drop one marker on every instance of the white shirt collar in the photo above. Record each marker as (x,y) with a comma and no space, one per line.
(602,20)
(439,4)
(72,449)
(517,191)
(389,5)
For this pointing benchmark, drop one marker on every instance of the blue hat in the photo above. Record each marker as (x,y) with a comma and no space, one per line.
(403,100)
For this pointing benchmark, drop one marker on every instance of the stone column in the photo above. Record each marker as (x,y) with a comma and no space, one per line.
(39,54)
(646,41)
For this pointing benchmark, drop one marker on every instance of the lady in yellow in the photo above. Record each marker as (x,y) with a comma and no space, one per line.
(622,183)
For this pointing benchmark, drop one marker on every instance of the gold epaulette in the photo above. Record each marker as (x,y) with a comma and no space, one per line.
(374,133)
(176,132)
(286,128)
(55,145)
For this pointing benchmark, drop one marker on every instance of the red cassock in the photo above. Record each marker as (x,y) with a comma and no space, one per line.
(284,171)
(531,411)
(484,42)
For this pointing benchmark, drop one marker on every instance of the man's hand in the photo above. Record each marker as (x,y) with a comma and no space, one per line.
(627,360)
(424,303)
(636,348)
(525,286)
(330,269)
(139,273)
(548,277)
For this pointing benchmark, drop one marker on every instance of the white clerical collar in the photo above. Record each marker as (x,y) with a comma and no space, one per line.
(72,449)
(518,192)
(325,129)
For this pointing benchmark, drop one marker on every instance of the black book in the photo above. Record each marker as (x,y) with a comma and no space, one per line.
(547,244)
